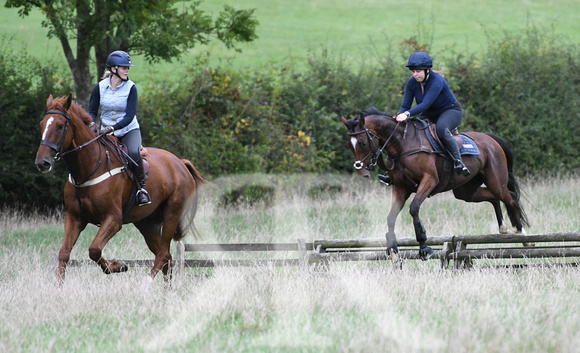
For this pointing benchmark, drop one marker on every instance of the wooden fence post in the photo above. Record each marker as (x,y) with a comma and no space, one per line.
(302,256)
(446,251)
(180,255)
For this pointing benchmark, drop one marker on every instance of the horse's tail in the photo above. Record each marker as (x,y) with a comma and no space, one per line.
(513,185)
(187,220)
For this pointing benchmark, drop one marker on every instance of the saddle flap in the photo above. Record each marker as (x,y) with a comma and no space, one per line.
(465,144)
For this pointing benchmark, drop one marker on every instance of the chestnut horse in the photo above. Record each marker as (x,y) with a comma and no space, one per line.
(100,192)
(413,166)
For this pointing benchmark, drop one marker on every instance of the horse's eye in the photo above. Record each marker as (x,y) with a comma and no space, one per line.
(59,127)
(364,144)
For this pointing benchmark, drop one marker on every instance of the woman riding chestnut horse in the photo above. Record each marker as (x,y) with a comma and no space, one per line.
(100,190)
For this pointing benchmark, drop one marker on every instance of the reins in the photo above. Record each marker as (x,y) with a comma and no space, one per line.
(105,140)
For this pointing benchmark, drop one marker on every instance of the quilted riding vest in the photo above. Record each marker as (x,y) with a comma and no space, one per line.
(114,105)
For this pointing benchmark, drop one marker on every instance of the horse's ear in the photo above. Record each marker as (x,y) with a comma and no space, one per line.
(49,101)
(68,102)
(361,120)
(344,121)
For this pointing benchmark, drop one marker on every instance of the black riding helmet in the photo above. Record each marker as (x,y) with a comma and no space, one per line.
(420,61)
(119,58)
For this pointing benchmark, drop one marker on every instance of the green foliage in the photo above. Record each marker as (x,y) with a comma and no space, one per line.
(158,29)
(285,119)
(281,119)
(524,88)
(24,88)
(276,120)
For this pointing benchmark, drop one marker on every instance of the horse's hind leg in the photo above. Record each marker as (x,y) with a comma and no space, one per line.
(493,193)
(474,192)
(503,228)
(151,231)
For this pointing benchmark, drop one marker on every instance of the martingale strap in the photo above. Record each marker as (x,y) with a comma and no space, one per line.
(97,180)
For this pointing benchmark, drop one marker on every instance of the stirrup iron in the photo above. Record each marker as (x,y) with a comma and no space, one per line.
(143,197)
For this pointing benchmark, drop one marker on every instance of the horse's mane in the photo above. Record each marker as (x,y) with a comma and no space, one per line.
(75,109)
(386,119)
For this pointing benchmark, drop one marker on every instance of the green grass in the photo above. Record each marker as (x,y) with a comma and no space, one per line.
(350,307)
(290,31)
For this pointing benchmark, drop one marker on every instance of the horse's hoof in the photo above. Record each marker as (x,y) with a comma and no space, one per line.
(116,266)
(398,265)
(425,253)
(507,230)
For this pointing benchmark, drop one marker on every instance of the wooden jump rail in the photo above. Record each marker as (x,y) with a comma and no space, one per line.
(447,248)
(453,247)
(301,246)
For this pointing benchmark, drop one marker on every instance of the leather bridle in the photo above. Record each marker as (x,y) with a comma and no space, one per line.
(373,154)
(58,148)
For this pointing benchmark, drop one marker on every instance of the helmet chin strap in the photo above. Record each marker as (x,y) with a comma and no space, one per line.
(116,74)
(426,75)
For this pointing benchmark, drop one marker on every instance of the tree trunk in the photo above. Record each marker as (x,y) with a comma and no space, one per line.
(81,72)
(79,67)
(102,47)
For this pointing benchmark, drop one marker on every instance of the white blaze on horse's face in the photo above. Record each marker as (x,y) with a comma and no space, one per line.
(48,123)
(353,141)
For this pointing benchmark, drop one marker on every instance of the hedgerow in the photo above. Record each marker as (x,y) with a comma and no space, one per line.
(285,118)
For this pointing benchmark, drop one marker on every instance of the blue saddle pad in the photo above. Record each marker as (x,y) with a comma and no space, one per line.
(468,146)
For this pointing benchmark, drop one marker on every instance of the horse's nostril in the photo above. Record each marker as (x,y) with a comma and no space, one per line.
(43,165)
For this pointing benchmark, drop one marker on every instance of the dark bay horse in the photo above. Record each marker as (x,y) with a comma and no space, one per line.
(99,189)
(414,167)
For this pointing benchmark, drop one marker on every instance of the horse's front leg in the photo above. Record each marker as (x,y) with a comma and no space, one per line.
(423,191)
(73,227)
(399,197)
(109,227)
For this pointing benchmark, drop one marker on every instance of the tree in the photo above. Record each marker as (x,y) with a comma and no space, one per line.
(157,29)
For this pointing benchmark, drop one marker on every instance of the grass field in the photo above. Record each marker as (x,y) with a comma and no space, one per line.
(351,307)
(357,30)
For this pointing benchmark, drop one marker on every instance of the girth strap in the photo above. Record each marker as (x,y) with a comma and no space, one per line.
(95,181)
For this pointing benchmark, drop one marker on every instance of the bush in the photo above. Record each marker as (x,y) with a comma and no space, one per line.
(276,120)
(525,88)
(24,88)
(282,119)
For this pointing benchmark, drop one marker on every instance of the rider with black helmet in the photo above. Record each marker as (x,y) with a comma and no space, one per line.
(117,98)
(435,101)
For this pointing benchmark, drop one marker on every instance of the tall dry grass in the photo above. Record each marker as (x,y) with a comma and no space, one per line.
(350,307)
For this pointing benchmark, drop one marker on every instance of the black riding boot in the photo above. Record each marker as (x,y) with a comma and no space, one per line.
(385,179)
(143,197)
(451,146)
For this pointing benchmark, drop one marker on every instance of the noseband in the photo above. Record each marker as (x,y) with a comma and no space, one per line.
(373,154)
(60,146)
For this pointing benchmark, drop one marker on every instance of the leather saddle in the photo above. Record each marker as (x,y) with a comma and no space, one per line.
(465,144)
(455,132)
(129,165)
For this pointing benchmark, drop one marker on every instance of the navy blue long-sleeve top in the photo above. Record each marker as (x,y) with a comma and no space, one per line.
(435,98)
